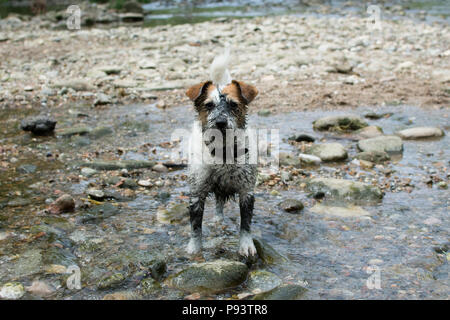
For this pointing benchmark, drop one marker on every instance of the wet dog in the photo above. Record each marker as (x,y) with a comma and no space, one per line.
(221,105)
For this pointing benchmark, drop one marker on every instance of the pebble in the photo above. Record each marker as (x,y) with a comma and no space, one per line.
(12,291)
(64,203)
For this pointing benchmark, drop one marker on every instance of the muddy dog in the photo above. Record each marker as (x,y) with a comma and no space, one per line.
(221,105)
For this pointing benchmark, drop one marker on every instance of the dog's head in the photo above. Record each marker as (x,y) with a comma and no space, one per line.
(222,108)
(221,103)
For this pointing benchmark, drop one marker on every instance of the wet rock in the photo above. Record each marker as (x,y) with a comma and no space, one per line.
(77,130)
(214,276)
(100,132)
(98,213)
(131,17)
(121,164)
(284,292)
(96,194)
(158,268)
(343,212)
(128,183)
(149,286)
(102,99)
(420,133)
(288,159)
(376,116)
(40,288)
(41,125)
(389,144)
(260,281)
(328,152)
(26,168)
(342,123)
(64,203)
(176,213)
(373,156)
(159,168)
(111,281)
(12,291)
(268,254)
(264,113)
(344,189)
(291,205)
(301,138)
(368,132)
(75,84)
(442,185)
(88,172)
(309,160)
(121,295)
(132,6)
(145,183)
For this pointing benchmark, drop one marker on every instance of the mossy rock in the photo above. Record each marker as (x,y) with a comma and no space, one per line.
(214,276)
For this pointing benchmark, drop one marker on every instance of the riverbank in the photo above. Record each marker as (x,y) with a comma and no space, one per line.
(297,63)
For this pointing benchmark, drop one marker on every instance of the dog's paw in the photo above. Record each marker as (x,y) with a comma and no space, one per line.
(194,246)
(246,246)
(218,219)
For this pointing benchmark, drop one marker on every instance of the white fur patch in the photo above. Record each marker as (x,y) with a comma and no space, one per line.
(246,245)
(194,246)
(220,75)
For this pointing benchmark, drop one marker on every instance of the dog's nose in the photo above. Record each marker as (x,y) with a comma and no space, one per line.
(221,123)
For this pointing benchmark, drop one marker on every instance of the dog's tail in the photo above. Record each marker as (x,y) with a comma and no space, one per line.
(220,75)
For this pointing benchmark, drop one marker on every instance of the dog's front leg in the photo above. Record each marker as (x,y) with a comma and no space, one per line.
(196,208)
(246,203)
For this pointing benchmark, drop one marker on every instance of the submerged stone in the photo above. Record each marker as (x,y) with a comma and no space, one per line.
(284,292)
(260,281)
(176,213)
(12,291)
(373,156)
(291,205)
(268,254)
(214,276)
(329,151)
(343,212)
(389,144)
(343,123)
(344,189)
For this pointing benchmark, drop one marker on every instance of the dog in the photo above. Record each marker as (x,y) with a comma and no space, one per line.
(221,105)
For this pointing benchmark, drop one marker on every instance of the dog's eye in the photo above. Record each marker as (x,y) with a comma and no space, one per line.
(233,104)
(209,105)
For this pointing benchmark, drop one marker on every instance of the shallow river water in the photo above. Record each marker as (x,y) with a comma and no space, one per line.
(403,239)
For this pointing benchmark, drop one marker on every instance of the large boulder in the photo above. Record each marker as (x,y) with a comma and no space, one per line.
(343,123)
(420,133)
(389,144)
(214,276)
(344,189)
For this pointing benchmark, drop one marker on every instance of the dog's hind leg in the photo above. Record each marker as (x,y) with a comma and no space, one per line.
(246,246)
(196,208)
(220,203)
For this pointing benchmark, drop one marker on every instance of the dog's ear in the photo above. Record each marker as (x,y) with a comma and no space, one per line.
(195,91)
(247,91)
